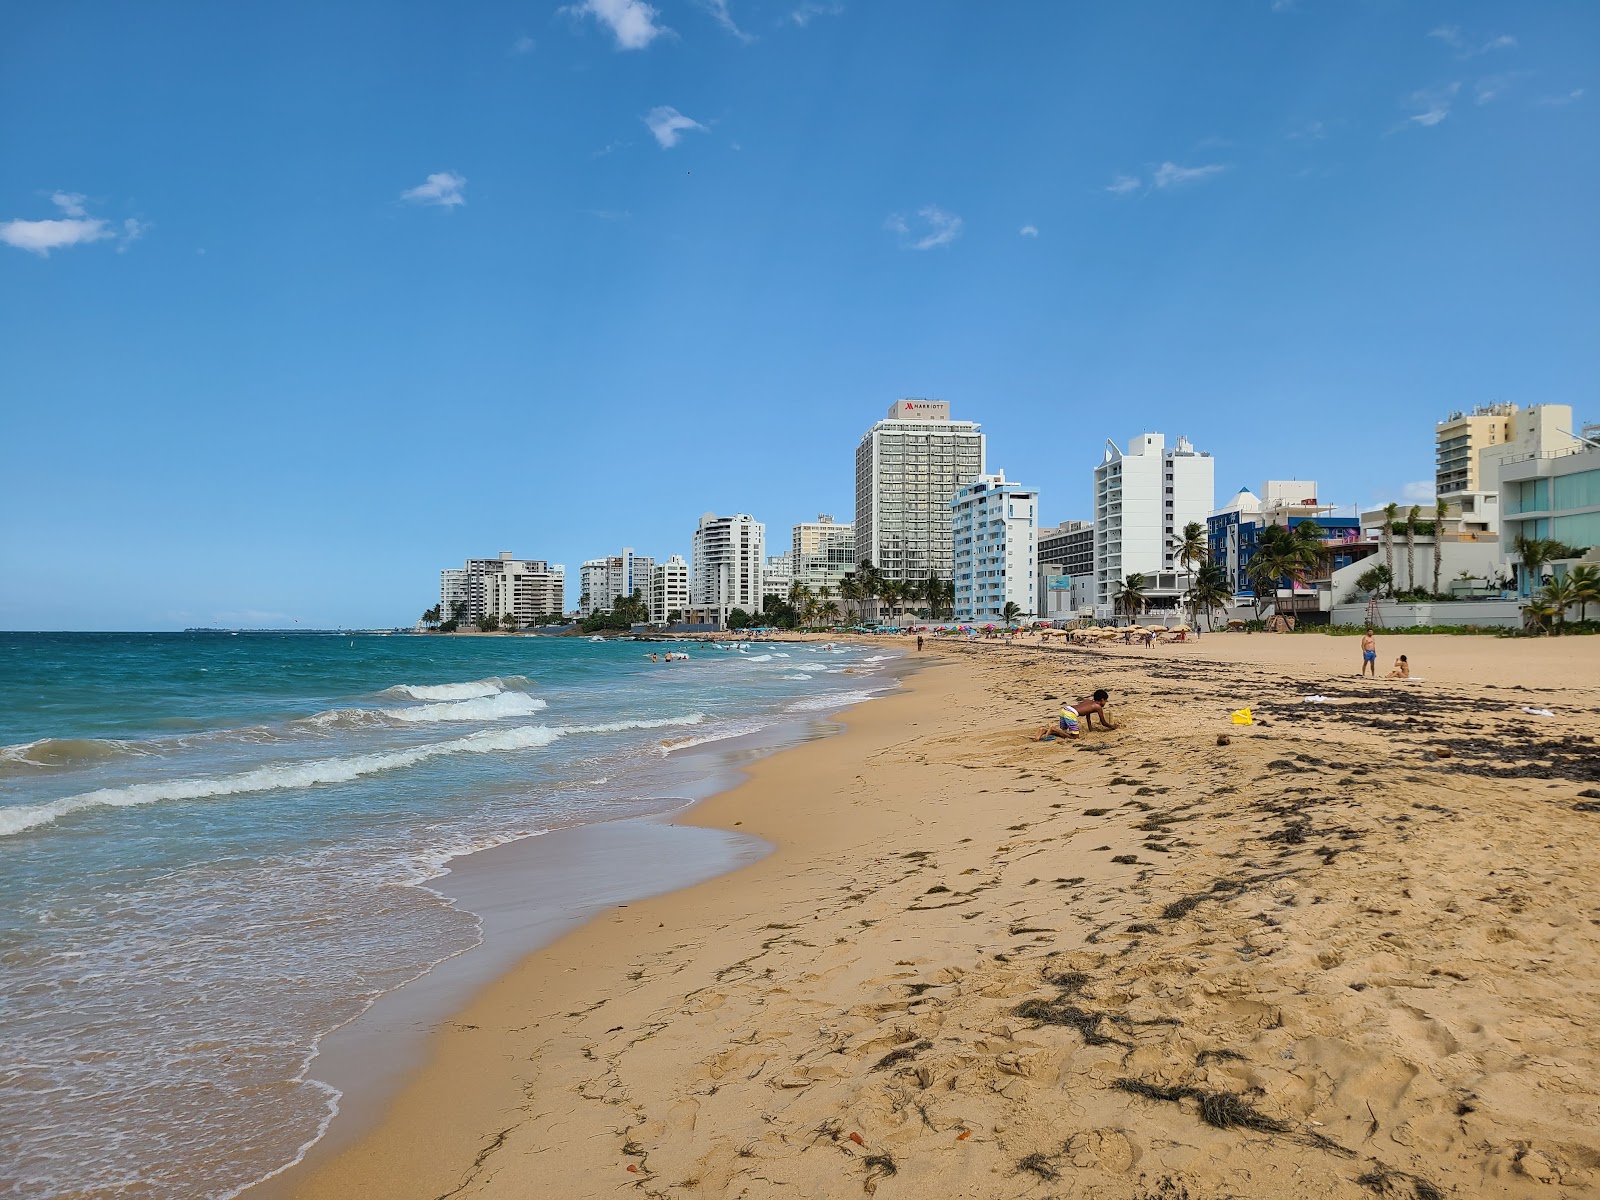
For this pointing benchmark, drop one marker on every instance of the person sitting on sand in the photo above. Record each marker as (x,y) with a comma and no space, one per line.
(1402,668)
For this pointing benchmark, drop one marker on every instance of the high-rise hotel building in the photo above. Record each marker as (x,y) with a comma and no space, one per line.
(506,586)
(994,525)
(726,567)
(908,469)
(1143,497)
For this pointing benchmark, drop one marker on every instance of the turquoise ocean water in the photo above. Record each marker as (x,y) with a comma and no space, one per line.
(216,848)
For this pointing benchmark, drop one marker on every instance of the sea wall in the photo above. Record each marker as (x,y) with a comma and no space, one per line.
(1391,614)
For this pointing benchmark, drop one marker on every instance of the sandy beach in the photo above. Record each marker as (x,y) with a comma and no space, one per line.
(1350,950)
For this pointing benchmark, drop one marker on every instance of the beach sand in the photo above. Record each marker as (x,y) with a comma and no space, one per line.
(1353,952)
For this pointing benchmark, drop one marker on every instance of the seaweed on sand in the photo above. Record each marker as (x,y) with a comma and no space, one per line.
(1222,1110)
(1060,1012)
(1040,1165)
(904,1054)
(1380,1177)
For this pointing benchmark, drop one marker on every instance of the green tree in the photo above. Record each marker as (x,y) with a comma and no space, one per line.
(1538,613)
(458,612)
(1441,510)
(488,622)
(830,612)
(1390,512)
(1192,548)
(850,593)
(1535,553)
(1208,591)
(431,616)
(1375,580)
(1560,595)
(1011,612)
(1585,581)
(1411,548)
(674,616)
(1131,599)
(1281,556)
(738,619)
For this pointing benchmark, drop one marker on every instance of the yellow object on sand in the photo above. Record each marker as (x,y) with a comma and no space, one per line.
(1243,717)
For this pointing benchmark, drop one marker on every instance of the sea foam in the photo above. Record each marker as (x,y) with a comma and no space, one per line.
(310,773)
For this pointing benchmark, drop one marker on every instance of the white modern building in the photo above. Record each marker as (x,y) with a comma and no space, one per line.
(669,589)
(822,552)
(1143,498)
(1553,495)
(507,586)
(616,577)
(727,565)
(908,469)
(778,575)
(994,534)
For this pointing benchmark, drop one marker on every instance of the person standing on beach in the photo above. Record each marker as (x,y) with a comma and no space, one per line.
(1369,653)
(919,642)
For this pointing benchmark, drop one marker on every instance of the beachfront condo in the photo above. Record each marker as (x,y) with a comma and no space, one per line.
(726,566)
(616,577)
(994,535)
(1066,570)
(908,469)
(669,589)
(1143,497)
(506,586)
(823,552)
(1555,495)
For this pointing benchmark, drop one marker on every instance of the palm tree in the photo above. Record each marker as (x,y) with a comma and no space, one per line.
(1536,553)
(1282,555)
(830,611)
(1131,598)
(1538,613)
(799,594)
(1585,581)
(1560,595)
(1390,511)
(933,593)
(1192,549)
(1011,612)
(1411,548)
(1208,592)
(1441,510)
(891,592)
(850,592)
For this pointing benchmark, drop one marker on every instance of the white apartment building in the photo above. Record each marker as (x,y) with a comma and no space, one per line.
(607,580)
(669,589)
(506,586)
(1143,497)
(908,469)
(822,552)
(994,532)
(727,565)
(778,575)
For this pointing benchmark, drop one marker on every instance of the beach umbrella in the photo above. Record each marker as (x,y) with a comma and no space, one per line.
(1185,628)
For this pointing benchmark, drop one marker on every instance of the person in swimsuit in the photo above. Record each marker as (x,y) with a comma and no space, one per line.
(1066,727)
(1087,707)
(1369,653)
(1402,668)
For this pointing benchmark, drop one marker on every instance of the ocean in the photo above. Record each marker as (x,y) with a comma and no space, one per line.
(216,849)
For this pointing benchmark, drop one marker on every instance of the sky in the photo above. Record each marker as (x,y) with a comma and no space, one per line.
(302,302)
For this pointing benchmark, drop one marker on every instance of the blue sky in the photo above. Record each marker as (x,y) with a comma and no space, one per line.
(301,302)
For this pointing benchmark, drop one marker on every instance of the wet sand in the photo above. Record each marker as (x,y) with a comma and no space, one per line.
(1352,952)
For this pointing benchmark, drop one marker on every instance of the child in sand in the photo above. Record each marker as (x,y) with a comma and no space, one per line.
(1076,717)
(1402,669)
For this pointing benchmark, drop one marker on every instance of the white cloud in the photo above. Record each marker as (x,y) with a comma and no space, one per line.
(1571,97)
(1491,87)
(720,14)
(1172,175)
(523,45)
(933,227)
(809,10)
(443,189)
(132,230)
(41,237)
(632,22)
(669,125)
(74,228)
(1419,492)
(1432,104)
(1452,36)
(1312,131)
(1123,184)
(1029,231)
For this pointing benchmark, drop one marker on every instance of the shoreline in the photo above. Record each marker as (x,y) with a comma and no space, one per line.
(975,965)
(365,1061)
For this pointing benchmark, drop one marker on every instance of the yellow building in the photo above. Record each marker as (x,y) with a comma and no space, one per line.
(1461,438)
